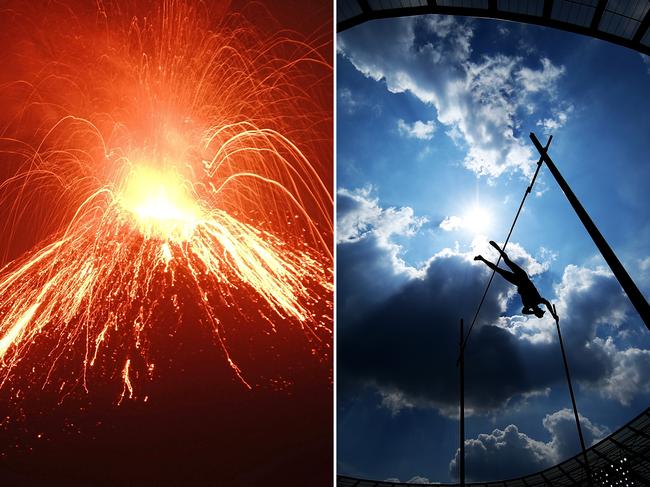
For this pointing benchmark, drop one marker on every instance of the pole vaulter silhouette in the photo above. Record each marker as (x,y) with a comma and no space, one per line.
(530,297)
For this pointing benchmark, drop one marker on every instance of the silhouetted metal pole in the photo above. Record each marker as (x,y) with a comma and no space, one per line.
(638,300)
(573,399)
(461,465)
(529,189)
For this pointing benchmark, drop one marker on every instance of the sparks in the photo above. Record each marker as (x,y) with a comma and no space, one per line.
(161,204)
(127,381)
(172,166)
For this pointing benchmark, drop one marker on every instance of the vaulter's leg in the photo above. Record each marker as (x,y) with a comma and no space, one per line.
(515,268)
(507,275)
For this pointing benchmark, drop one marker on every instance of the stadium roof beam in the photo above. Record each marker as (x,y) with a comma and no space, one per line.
(625,24)
(364,6)
(639,432)
(643,28)
(598,14)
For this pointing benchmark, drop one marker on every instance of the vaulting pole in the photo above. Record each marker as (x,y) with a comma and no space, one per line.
(638,300)
(461,463)
(573,400)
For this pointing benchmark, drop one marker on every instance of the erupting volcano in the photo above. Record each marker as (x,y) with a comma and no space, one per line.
(156,156)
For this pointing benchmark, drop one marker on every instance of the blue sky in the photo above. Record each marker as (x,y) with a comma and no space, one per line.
(433,157)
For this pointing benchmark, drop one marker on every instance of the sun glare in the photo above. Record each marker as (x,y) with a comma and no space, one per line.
(477,219)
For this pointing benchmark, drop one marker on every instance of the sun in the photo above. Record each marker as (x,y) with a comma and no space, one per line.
(477,219)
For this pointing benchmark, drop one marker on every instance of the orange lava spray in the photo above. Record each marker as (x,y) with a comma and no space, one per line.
(163,152)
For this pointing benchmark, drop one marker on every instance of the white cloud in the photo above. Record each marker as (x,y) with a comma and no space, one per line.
(503,451)
(589,299)
(644,264)
(509,452)
(537,331)
(591,290)
(564,442)
(578,293)
(352,224)
(395,401)
(476,218)
(418,479)
(359,216)
(548,254)
(540,80)
(515,251)
(646,61)
(442,26)
(631,374)
(352,102)
(556,122)
(368,216)
(417,130)
(451,223)
(347,100)
(477,101)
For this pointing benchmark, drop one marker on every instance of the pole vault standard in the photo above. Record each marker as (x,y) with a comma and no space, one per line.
(573,400)
(461,463)
(638,300)
(464,338)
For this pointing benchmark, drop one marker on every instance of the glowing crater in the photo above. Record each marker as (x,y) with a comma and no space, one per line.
(161,203)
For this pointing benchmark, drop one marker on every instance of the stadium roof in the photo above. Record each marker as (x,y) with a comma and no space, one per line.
(621,459)
(623,22)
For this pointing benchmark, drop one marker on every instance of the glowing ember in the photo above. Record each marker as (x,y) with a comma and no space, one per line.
(164,172)
(161,203)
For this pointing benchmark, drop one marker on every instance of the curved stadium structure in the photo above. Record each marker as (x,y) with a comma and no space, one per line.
(623,22)
(623,458)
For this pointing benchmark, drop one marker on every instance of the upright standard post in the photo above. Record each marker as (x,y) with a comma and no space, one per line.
(461,465)
(638,300)
(573,400)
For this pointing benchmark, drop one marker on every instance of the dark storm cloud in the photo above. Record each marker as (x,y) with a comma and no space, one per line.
(502,454)
(372,270)
(409,343)
(596,319)
(511,453)
(398,328)
(366,277)
(599,316)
